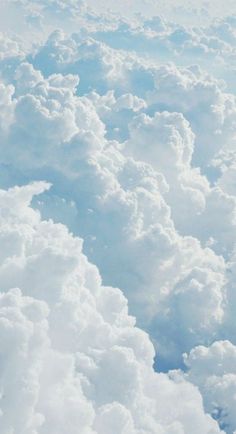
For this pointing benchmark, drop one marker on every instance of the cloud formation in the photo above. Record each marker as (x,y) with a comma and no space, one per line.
(131,123)
(128,186)
(213,370)
(71,355)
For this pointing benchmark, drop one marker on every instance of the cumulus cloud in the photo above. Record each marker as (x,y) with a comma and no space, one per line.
(71,355)
(213,370)
(136,188)
(132,123)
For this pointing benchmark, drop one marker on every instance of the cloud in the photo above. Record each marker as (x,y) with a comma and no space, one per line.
(131,123)
(213,370)
(64,335)
(123,199)
(206,106)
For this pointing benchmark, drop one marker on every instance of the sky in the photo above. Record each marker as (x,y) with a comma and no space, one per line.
(117,217)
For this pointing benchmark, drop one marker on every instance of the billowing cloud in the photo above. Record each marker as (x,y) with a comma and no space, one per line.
(111,185)
(213,370)
(71,355)
(70,138)
(131,123)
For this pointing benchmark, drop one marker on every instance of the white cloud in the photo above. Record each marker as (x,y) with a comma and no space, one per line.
(213,370)
(122,206)
(71,356)
(199,97)
(138,145)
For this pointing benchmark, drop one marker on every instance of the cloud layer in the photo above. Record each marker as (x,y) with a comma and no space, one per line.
(72,358)
(131,125)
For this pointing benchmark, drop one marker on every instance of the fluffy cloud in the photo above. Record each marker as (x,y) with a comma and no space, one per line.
(203,102)
(213,370)
(197,95)
(101,184)
(71,355)
(166,141)
(138,145)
